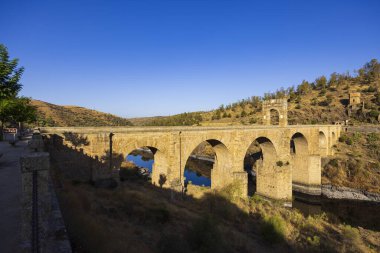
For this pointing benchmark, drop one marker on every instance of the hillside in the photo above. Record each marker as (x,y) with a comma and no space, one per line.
(56,115)
(324,100)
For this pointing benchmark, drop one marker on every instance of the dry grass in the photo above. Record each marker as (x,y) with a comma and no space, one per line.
(138,217)
(356,164)
(56,115)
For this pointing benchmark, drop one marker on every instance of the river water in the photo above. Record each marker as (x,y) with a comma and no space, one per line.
(355,213)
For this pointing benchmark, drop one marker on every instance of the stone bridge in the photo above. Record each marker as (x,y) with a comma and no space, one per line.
(291,155)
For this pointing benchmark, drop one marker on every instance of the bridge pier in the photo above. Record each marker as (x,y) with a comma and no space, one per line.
(273,181)
(307,174)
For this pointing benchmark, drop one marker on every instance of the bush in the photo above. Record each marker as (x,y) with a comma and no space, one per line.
(280,163)
(160,214)
(349,142)
(374,114)
(128,173)
(273,229)
(205,236)
(324,103)
(298,106)
(172,243)
(314,241)
(334,163)
(252,121)
(352,240)
(342,138)
(370,89)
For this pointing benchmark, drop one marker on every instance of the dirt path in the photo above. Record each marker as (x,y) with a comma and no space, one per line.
(10,195)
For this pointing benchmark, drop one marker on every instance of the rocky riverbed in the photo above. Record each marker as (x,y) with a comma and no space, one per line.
(335,192)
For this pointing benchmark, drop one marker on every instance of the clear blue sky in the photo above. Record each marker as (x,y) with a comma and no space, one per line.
(160,57)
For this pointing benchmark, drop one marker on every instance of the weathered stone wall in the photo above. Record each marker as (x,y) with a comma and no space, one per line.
(280,105)
(36,163)
(172,146)
(41,218)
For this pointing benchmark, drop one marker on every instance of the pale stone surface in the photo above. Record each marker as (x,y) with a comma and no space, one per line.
(280,105)
(10,196)
(354,98)
(172,146)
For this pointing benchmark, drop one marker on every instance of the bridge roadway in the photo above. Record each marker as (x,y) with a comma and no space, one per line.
(291,157)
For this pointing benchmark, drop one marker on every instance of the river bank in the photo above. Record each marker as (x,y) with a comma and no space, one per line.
(341,192)
(329,191)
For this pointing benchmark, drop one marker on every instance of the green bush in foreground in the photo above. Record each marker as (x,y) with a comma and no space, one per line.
(205,236)
(273,229)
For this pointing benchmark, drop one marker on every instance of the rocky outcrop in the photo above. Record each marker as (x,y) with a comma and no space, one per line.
(335,192)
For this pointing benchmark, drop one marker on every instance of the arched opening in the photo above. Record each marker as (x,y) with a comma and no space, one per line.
(147,163)
(298,144)
(299,150)
(260,154)
(322,144)
(207,164)
(274,117)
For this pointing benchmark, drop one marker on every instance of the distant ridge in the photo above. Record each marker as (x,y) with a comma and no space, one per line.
(56,115)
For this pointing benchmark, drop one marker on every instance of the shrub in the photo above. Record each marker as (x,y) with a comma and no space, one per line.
(334,163)
(314,241)
(372,138)
(172,243)
(280,163)
(252,121)
(205,236)
(324,103)
(127,173)
(370,89)
(349,142)
(342,138)
(374,114)
(352,239)
(160,214)
(273,229)
(298,106)
(231,192)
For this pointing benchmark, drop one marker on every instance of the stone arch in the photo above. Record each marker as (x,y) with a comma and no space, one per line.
(160,164)
(306,174)
(299,144)
(323,144)
(274,116)
(221,169)
(279,105)
(261,154)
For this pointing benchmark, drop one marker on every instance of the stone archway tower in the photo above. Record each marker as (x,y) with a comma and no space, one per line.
(280,105)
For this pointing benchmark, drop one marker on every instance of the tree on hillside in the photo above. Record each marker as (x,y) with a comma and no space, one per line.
(304,87)
(321,82)
(10,75)
(333,80)
(13,109)
(370,71)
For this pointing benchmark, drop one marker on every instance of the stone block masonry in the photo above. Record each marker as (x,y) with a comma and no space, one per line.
(38,220)
(35,200)
(172,146)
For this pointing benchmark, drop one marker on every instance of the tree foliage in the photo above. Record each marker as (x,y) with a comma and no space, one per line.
(12,108)
(10,75)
